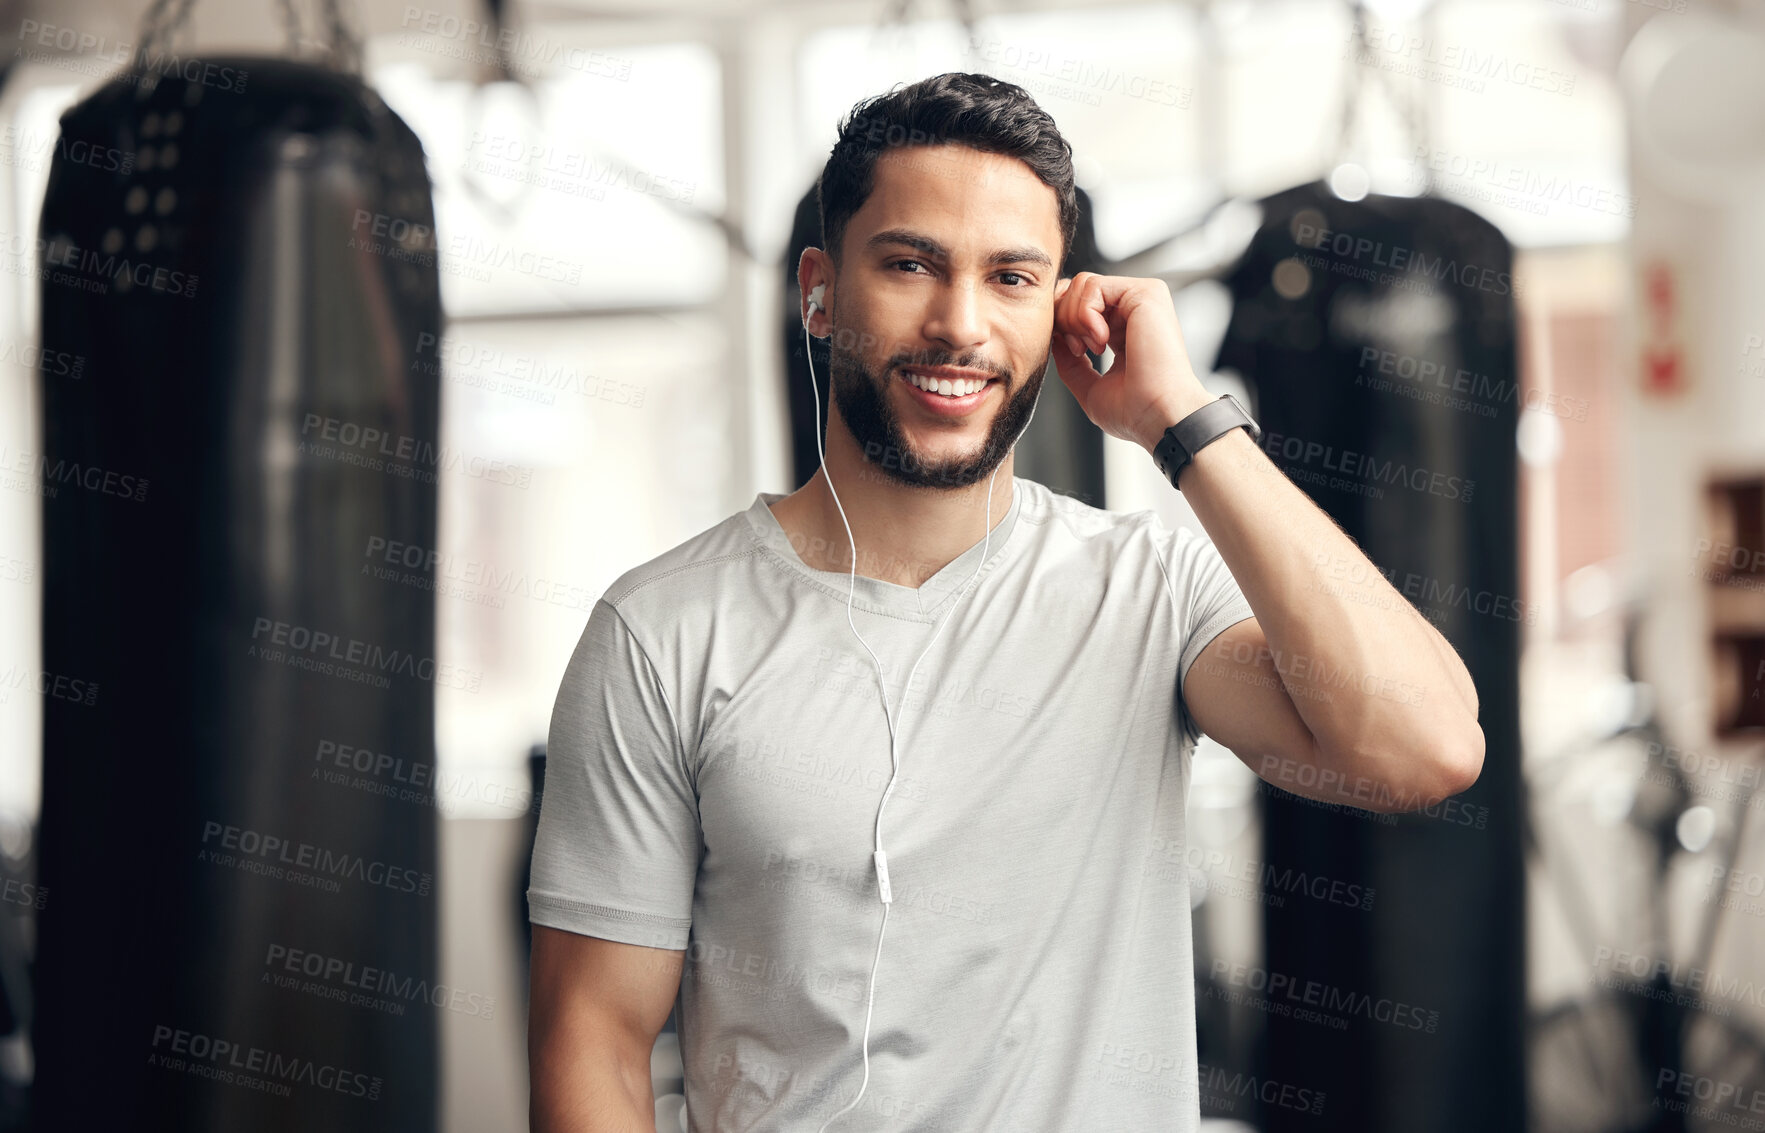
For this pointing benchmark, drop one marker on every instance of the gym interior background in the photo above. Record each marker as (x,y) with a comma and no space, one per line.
(328,409)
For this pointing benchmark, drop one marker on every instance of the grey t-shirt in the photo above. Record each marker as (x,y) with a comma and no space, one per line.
(717,754)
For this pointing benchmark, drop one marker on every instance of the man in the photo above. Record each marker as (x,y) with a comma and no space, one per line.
(720,748)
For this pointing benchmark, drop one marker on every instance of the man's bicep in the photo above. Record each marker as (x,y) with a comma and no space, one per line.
(1234,695)
(627,989)
(595,1009)
(617,850)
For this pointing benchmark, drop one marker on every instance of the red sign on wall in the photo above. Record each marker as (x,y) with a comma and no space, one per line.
(1663,357)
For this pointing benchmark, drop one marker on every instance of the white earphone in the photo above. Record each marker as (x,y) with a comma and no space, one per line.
(880,858)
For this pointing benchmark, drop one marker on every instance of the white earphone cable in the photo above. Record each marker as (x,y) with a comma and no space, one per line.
(879,857)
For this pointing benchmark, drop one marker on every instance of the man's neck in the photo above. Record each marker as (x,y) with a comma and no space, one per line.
(904,534)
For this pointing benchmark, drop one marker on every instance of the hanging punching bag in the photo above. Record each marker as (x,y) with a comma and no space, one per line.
(242,934)
(1379,339)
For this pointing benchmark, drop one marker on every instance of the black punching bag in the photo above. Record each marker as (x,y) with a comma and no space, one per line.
(241,925)
(1379,338)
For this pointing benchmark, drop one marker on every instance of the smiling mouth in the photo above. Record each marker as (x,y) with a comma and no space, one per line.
(951,385)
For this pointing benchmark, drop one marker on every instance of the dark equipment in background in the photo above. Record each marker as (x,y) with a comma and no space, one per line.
(252,292)
(1378,337)
(1061,448)
(1610,1056)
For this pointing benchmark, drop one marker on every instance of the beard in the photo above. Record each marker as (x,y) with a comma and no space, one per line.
(870,417)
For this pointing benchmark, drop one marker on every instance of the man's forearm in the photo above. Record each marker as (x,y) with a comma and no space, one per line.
(1331,618)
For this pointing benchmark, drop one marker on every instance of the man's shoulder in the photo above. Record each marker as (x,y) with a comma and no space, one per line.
(686,569)
(1071,534)
(1072,518)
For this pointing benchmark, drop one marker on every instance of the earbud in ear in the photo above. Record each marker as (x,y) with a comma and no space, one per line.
(815,294)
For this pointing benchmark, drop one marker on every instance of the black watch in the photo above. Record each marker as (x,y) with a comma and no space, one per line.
(1195,432)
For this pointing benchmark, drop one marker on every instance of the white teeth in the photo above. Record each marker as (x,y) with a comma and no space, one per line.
(960,387)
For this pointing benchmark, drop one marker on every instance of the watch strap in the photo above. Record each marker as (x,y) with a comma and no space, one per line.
(1199,429)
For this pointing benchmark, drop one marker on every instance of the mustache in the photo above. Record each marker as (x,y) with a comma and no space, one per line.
(903,360)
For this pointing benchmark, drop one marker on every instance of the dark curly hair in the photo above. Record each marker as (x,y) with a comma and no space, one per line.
(978,111)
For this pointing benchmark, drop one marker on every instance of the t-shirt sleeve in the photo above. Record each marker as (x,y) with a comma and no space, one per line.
(1207,600)
(617,850)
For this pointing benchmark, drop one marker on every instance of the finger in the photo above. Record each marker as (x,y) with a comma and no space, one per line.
(1073,367)
(1063,291)
(1094,300)
(1117,338)
(1069,312)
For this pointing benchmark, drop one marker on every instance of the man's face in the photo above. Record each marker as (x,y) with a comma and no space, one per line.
(951,262)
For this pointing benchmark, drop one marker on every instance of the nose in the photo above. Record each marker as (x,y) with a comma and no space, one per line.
(954,318)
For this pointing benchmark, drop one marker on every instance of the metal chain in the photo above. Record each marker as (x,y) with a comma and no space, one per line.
(346,46)
(291,24)
(164,19)
(1415,126)
(161,23)
(1352,85)
(1410,110)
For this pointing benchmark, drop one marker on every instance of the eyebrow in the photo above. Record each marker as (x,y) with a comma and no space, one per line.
(930,247)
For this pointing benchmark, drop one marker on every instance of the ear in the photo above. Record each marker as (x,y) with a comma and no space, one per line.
(812,262)
(1060,287)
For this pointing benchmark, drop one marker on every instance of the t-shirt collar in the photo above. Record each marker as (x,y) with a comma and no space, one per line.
(874,594)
